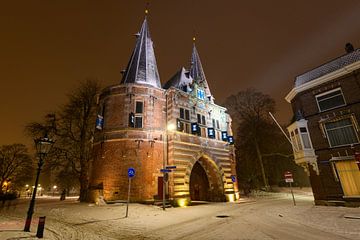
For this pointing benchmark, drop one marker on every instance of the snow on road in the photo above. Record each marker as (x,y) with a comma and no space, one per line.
(266,217)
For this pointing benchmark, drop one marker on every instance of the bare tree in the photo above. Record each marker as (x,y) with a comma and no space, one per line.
(73,127)
(249,110)
(15,165)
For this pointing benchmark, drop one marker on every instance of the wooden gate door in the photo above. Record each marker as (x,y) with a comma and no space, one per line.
(160,187)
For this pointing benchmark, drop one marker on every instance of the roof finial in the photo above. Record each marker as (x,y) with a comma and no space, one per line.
(147,8)
(194,36)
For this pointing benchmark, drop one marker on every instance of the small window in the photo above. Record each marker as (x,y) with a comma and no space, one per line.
(305,137)
(187,114)
(180,126)
(213,123)
(198,118)
(187,127)
(139,107)
(330,100)
(203,132)
(203,120)
(297,139)
(341,132)
(217,124)
(182,113)
(200,94)
(138,122)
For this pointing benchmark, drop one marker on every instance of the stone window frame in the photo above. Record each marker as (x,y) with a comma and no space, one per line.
(354,124)
(138,115)
(186,114)
(327,93)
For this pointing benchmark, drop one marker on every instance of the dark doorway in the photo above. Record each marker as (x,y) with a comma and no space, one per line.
(199,184)
(160,187)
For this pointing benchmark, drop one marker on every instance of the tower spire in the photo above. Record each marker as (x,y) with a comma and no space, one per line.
(197,71)
(142,67)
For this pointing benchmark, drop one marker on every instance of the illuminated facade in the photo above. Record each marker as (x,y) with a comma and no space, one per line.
(150,127)
(325,133)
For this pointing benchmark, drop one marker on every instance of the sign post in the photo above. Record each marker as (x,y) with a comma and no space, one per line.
(131,174)
(165,172)
(289,179)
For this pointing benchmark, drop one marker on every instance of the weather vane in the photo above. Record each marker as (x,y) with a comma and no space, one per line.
(147,7)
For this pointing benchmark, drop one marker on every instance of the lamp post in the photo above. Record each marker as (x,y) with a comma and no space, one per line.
(43,146)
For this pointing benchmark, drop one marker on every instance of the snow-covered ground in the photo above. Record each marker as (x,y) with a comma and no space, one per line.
(263,216)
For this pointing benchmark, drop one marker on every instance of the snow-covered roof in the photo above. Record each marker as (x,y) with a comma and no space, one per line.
(197,71)
(179,80)
(142,67)
(328,67)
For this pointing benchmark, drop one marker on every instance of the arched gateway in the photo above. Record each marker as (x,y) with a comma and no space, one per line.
(205,182)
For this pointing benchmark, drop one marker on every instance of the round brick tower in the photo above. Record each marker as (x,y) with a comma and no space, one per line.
(131,131)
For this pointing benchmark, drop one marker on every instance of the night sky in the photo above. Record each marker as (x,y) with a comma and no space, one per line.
(47,47)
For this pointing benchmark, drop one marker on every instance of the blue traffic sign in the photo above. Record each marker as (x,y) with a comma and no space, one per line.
(131,172)
(170,167)
(233,178)
(165,170)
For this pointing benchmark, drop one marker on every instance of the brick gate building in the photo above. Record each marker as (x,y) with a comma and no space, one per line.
(149,127)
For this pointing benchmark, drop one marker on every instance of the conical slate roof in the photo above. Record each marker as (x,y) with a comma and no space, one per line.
(179,80)
(197,72)
(142,66)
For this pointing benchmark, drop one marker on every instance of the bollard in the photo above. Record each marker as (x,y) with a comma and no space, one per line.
(41,226)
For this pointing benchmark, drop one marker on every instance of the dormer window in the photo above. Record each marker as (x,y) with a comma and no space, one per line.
(200,94)
(330,100)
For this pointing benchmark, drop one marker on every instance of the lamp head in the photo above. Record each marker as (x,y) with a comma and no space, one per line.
(43,145)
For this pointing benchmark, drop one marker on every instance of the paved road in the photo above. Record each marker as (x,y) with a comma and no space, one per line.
(263,219)
(245,222)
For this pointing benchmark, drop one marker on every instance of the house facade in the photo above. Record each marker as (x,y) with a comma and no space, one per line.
(325,132)
(149,127)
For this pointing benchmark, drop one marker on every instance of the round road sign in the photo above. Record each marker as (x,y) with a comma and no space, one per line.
(131,172)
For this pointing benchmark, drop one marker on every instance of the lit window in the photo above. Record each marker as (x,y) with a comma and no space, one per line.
(341,132)
(330,100)
(211,133)
(200,94)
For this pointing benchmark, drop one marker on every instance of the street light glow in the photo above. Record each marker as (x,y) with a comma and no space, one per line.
(171,127)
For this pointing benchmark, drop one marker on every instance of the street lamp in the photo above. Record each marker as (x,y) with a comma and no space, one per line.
(54,189)
(43,146)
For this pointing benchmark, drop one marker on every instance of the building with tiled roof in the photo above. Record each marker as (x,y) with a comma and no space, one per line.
(325,132)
